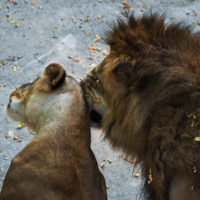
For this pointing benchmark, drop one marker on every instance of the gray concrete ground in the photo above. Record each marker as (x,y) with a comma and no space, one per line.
(55,31)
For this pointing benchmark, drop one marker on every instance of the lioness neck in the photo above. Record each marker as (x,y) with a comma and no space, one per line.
(64,111)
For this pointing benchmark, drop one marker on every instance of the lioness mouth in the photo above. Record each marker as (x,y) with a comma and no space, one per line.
(95,117)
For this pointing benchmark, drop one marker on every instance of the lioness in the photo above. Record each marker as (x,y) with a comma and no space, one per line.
(58,163)
(145,95)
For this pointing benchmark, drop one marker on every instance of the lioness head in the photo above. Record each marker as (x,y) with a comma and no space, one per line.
(28,102)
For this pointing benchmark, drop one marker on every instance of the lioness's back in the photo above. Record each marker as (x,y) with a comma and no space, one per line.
(58,163)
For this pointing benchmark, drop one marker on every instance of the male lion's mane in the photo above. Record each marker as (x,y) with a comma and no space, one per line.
(154,115)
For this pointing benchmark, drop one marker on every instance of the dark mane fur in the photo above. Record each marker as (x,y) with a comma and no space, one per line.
(132,37)
(159,128)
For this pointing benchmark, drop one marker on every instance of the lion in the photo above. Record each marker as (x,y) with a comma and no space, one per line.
(58,163)
(145,96)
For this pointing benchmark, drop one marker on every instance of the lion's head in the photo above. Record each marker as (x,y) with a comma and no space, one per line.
(28,102)
(151,66)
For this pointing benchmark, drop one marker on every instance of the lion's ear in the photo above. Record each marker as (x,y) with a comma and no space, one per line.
(123,72)
(55,75)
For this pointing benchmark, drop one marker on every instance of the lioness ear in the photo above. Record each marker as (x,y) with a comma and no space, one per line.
(123,72)
(55,75)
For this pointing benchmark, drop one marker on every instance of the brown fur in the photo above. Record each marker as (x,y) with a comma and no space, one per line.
(150,86)
(58,163)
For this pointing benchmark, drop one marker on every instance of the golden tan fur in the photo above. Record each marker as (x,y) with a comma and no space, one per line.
(150,88)
(58,163)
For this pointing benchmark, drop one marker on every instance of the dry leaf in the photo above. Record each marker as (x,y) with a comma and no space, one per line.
(77,59)
(105,53)
(196,13)
(150,177)
(87,20)
(124,2)
(126,7)
(20,125)
(197,139)
(136,175)
(102,165)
